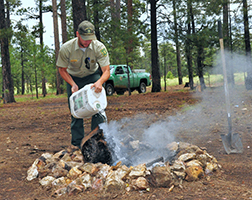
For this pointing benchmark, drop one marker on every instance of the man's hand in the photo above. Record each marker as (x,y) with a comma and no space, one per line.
(105,76)
(98,86)
(74,88)
(64,74)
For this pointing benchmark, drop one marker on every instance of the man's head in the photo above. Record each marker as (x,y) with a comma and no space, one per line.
(86,30)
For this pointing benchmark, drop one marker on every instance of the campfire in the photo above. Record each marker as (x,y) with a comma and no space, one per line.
(71,171)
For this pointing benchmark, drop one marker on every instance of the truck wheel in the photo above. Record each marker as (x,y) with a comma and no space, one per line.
(142,88)
(109,89)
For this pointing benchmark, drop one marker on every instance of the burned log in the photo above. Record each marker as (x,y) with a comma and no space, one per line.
(94,148)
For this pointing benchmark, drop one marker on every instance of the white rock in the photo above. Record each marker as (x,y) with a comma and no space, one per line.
(187,156)
(46,180)
(32,172)
(139,170)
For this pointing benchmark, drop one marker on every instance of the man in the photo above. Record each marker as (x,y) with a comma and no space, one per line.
(78,64)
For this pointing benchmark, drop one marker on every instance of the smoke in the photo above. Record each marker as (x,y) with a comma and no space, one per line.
(144,137)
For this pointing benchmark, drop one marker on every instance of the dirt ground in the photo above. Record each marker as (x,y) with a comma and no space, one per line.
(31,128)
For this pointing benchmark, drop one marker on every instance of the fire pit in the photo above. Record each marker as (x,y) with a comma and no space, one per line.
(67,173)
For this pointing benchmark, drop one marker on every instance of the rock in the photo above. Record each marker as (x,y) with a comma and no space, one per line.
(59,192)
(74,173)
(59,181)
(64,165)
(140,183)
(202,158)
(187,148)
(32,172)
(112,185)
(163,176)
(66,157)
(211,167)
(194,163)
(173,146)
(59,155)
(98,184)
(193,173)
(122,172)
(86,180)
(103,171)
(178,168)
(77,156)
(74,188)
(139,170)
(183,145)
(46,180)
(134,144)
(89,168)
(187,156)
(48,157)
(58,171)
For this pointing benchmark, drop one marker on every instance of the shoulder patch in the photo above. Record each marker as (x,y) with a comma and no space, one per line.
(104,52)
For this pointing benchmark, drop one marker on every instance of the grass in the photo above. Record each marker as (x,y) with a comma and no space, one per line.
(29,97)
(209,80)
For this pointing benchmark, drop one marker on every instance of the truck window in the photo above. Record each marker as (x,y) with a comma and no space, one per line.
(125,69)
(119,70)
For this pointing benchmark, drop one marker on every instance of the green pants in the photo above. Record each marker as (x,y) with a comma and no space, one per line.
(77,128)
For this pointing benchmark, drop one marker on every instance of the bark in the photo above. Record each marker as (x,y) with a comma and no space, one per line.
(226,40)
(200,59)
(63,20)
(96,19)
(248,80)
(177,44)
(156,87)
(188,46)
(79,13)
(41,31)
(56,44)
(8,89)
(130,41)
(22,71)
(118,14)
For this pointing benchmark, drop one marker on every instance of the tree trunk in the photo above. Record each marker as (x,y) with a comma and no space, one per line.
(79,13)
(41,32)
(22,71)
(36,80)
(226,40)
(118,6)
(165,67)
(129,24)
(156,87)
(200,65)
(56,44)
(177,43)
(248,79)
(96,19)
(188,46)
(8,89)
(63,20)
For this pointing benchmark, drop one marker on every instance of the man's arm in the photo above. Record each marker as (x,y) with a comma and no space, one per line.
(64,74)
(105,76)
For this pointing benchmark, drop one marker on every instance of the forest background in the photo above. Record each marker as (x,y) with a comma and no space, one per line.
(168,38)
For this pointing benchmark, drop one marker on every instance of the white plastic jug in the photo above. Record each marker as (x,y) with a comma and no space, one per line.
(86,102)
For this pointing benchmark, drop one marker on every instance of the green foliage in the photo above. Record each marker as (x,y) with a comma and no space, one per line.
(169,75)
(28,60)
(118,35)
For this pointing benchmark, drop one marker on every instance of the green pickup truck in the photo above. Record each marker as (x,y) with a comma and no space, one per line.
(118,81)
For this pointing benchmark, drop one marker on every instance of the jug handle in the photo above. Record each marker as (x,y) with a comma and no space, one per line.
(97,95)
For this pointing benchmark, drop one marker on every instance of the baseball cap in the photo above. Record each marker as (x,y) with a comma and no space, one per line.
(86,30)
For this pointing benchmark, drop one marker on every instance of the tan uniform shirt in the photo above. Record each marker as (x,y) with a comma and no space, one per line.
(73,58)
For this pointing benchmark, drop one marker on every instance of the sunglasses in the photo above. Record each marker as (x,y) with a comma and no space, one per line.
(87,62)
